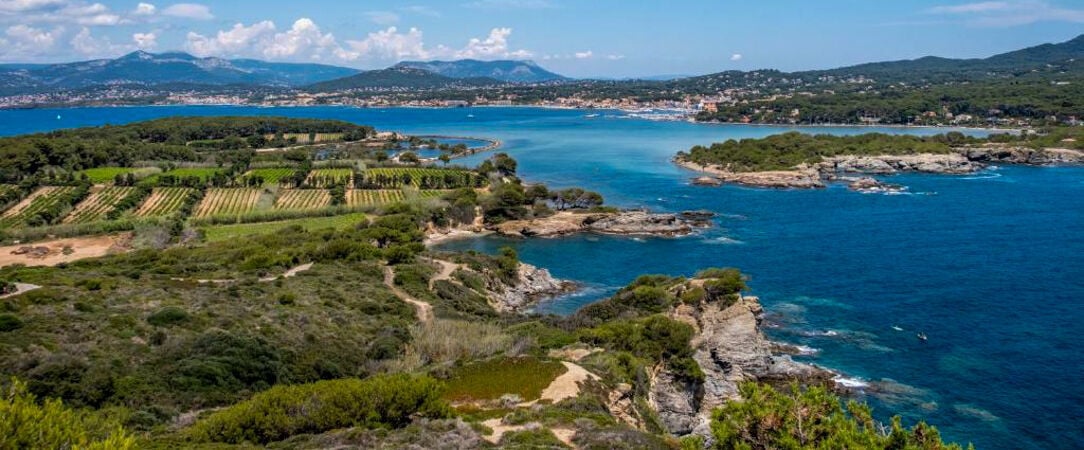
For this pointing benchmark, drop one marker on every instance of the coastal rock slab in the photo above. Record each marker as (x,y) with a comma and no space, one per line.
(533,284)
(948,163)
(624,222)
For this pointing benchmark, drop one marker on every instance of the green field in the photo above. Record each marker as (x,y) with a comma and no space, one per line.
(97,204)
(204,173)
(323,178)
(229,232)
(524,376)
(104,175)
(271,176)
(300,199)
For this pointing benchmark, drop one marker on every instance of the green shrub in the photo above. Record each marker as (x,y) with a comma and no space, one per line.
(655,338)
(26,423)
(168,316)
(10,322)
(389,401)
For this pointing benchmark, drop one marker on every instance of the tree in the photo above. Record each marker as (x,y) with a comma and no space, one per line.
(504,164)
(26,423)
(444,158)
(409,158)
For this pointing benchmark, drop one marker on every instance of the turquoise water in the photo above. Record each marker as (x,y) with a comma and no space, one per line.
(989,266)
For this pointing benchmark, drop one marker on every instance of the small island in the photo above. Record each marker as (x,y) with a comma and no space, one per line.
(803,161)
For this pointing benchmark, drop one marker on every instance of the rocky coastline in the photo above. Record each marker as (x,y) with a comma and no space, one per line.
(962,160)
(533,284)
(627,223)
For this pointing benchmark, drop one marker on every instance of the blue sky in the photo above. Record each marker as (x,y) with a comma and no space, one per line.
(582,38)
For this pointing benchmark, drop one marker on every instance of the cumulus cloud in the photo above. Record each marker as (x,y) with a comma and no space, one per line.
(382,17)
(1009,13)
(233,42)
(189,11)
(23,41)
(389,44)
(144,9)
(736,57)
(89,45)
(584,55)
(304,36)
(510,4)
(145,41)
(493,46)
(76,12)
(29,5)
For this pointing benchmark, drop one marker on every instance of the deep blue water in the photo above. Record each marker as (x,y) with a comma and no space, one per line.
(990,266)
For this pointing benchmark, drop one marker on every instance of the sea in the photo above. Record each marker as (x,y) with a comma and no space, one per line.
(988,266)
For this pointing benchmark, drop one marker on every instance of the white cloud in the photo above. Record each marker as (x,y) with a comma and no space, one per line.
(584,55)
(88,45)
(390,44)
(76,12)
(1009,13)
(236,41)
(382,17)
(305,36)
(144,9)
(145,41)
(493,46)
(189,11)
(27,35)
(736,57)
(615,57)
(29,5)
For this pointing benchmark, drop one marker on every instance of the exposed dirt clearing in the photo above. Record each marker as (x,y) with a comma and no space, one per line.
(80,248)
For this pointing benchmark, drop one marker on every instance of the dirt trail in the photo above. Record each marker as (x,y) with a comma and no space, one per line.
(20,288)
(423,309)
(447,268)
(289,273)
(564,435)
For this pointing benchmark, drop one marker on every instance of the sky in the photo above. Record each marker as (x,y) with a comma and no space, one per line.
(579,38)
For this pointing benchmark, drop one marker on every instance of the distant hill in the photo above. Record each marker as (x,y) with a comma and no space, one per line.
(509,71)
(401,78)
(155,69)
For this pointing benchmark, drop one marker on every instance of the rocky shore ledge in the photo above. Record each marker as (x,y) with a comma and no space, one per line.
(633,222)
(962,160)
(533,284)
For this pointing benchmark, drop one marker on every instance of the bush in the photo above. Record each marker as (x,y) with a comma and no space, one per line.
(222,365)
(448,341)
(10,322)
(655,338)
(26,423)
(389,401)
(168,316)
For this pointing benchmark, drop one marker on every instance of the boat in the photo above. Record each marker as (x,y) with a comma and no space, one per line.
(922,337)
(470,116)
(591,116)
(897,328)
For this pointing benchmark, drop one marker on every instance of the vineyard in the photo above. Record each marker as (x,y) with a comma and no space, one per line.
(270,176)
(304,137)
(42,199)
(227,201)
(302,199)
(419,177)
(106,175)
(325,178)
(163,202)
(97,204)
(373,197)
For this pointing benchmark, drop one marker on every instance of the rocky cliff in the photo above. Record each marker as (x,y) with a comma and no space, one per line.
(623,223)
(533,284)
(729,348)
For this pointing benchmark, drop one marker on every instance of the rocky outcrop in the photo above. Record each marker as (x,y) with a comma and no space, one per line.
(729,348)
(872,185)
(948,163)
(533,284)
(799,178)
(624,223)
(1021,155)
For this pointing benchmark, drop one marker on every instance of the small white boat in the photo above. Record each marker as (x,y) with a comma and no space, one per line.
(897,328)
(470,116)
(591,116)
(922,337)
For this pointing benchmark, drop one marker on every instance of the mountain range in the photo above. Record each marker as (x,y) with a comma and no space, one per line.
(165,70)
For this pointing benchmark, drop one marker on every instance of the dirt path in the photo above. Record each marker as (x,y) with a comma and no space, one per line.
(20,288)
(564,435)
(423,309)
(289,273)
(447,268)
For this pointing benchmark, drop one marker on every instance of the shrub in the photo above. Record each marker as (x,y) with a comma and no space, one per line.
(26,423)
(810,418)
(10,322)
(446,341)
(655,338)
(389,401)
(168,316)
(222,365)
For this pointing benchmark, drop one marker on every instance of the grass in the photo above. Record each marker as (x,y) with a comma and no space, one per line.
(204,173)
(229,232)
(525,376)
(271,175)
(101,175)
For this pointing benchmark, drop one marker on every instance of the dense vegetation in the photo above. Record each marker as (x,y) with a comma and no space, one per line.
(787,150)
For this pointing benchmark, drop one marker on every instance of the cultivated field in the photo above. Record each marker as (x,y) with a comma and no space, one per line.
(271,176)
(99,203)
(204,173)
(227,201)
(323,178)
(393,177)
(43,198)
(370,197)
(106,175)
(163,202)
(302,199)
